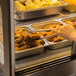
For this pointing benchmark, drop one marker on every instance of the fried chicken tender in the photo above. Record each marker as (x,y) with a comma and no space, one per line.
(58,39)
(54,25)
(31,5)
(21,48)
(55,2)
(40,42)
(43,33)
(53,38)
(38,2)
(33,36)
(19,6)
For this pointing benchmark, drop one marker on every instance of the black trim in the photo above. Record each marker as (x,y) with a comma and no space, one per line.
(10,54)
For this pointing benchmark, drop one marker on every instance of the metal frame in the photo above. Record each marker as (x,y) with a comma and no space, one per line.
(8,35)
(74,49)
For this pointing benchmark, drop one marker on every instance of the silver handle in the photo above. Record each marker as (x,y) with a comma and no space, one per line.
(49,36)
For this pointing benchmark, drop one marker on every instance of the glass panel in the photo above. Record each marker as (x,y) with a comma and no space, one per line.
(1,40)
(1,29)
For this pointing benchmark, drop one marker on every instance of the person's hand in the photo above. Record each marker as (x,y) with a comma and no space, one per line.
(66,31)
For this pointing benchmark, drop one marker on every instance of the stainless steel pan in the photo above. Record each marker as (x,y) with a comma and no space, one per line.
(39,12)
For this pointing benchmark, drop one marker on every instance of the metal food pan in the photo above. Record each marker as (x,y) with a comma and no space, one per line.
(39,12)
(68,18)
(22,28)
(41,25)
(61,44)
(71,18)
(51,45)
(30,51)
(71,8)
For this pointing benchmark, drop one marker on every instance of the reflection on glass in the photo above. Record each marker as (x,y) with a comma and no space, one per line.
(1,40)
(1,31)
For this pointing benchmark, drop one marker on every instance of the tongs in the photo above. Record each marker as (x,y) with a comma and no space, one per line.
(59,20)
(40,30)
(56,33)
(48,36)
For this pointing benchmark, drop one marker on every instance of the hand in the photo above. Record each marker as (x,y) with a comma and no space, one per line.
(66,31)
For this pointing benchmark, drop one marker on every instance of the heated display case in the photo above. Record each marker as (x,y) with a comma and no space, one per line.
(43,53)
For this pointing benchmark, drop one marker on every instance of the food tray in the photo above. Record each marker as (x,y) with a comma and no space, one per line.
(22,28)
(51,45)
(61,44)
(41,25)
(39,12)
(71,17)
(30,51)
(71,8)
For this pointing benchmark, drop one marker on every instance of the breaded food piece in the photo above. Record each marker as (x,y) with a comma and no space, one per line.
(18,6)
(58,39)
(25,41)
(21,48)
(40,42)
(34,36)
(23,1)
(70,2)
(43,33)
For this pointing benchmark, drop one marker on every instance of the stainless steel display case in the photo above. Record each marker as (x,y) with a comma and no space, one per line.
(31,64)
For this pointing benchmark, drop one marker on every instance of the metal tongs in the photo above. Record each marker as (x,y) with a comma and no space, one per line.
(40,30)
(59,20)
(43,30)
(56,33)
(48,36)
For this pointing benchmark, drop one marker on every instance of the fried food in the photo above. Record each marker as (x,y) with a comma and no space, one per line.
(19,6)
(70,2)
(43,33)
(22,5)
(58,39)
(31,5)
(54,25)
(22,1)
(71,22)
(25,41)
(53,38)
(21,48)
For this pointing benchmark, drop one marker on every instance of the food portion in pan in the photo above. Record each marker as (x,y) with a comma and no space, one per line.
(71,22)
(70,2)
(48,33)
(22,5)
(24,40)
